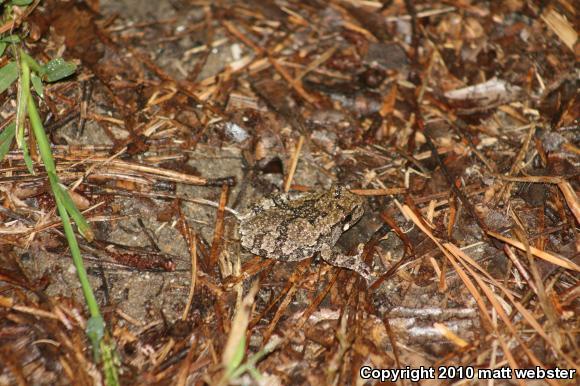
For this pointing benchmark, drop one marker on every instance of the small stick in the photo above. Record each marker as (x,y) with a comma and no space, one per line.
(293,164)
(192,241)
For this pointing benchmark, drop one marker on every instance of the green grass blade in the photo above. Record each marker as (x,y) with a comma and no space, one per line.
(46,155)
(6,137)
(82,224)
(41,138)
(65,206)
(8,74)
(33,64)
(95,326)
(238,356)
(110,362)
(27,159)
(23,98)
(23,95)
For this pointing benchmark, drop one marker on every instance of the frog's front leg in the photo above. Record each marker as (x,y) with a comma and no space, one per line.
(353,263)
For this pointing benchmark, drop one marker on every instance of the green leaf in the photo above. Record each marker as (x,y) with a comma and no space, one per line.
(10,39)
(58,69)
(21,3)
(6,138)
(8,74)
(37,85)
(5,40)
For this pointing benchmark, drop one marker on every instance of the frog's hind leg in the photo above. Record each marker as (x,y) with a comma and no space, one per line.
(353,263)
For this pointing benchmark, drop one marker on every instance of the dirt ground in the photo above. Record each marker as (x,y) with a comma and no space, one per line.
(457,122)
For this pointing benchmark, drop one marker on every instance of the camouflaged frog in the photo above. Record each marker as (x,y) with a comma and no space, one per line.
(291,229)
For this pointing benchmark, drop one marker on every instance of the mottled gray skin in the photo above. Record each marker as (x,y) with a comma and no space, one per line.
(287,229)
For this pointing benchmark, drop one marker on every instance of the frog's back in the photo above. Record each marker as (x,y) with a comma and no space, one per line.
(274,234)
(294,229)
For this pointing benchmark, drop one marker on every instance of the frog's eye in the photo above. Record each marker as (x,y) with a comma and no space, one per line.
(347,221)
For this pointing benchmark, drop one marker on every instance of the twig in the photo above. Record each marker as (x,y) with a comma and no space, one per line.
(293,164)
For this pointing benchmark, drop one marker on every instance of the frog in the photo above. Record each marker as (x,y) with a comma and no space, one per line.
(287,228)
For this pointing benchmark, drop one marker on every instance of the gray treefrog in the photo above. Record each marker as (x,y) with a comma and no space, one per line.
(291,229)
